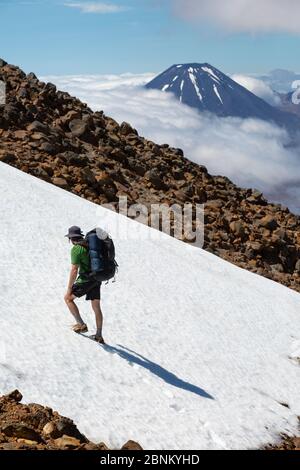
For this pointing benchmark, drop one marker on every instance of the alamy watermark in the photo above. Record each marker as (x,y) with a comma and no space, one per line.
(184,222)
(296,94)
(2,92)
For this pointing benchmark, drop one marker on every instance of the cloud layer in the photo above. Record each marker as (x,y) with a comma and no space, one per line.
(95,7)
(252,153)
(259,88)
(243,15)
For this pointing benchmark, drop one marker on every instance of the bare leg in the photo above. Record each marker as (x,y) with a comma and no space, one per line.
(69,299)
(99,317)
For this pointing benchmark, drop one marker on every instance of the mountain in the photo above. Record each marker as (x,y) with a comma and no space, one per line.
(57,138)
(287,103)
(206,88)
(205,345)
(280,80)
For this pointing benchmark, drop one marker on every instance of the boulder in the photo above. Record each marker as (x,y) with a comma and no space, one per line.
(65,426)
(268,222)
(66,442)
(15,395)
(237,227)
(277,268)
(37,126)
(11,113)
(70,116)
(48,148)
(126,129)
(78,128)
(20,134)
(102,446)
(41,173)
(131,445)
(297,266)
(50,430)
(74,159)
(47,168)
(178,152)
(256,198)
(155,179)
(188,190)
(178,173)
(88,176)
(8,157)
(137,166)
(201,195)
(20,430)
(119,155)
(60,182)
(31,76)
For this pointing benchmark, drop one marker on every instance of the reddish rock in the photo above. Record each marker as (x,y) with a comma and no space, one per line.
(34,427)
(60,182)
(66,442)
(268,222)
(55,137)
(131,445)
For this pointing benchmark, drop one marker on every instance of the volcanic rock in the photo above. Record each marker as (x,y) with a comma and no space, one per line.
(36,427)
(56,137)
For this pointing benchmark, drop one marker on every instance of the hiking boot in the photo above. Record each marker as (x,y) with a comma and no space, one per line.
(78,328)
(98,339)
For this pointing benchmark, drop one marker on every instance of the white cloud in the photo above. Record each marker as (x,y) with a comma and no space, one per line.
(243,15)
(96,7)
(81,83)
(252,153)
(258,87)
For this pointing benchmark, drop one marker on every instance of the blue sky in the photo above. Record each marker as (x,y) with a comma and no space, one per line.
(49,37)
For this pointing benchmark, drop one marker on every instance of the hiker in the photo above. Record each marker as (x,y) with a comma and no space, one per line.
(82,284)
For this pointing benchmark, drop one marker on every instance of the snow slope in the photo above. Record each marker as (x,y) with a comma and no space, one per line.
(199,349)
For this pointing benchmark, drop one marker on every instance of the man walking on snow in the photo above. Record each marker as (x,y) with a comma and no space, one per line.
(81,284)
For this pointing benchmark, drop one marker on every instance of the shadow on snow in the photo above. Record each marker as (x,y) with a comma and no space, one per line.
(133,357)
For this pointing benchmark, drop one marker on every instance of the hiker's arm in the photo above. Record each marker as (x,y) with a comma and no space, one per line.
(73,276)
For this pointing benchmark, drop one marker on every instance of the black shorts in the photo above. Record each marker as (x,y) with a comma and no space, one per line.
(91,289)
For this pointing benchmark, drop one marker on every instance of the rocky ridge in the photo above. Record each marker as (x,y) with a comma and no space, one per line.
(35,427)
(55,137)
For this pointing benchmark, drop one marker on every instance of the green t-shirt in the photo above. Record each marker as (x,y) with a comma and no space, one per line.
(80,257)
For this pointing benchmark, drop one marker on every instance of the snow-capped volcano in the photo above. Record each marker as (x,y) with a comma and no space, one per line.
(197,85)
(206,88)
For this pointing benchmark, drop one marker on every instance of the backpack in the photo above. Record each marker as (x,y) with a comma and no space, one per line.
(102,255)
